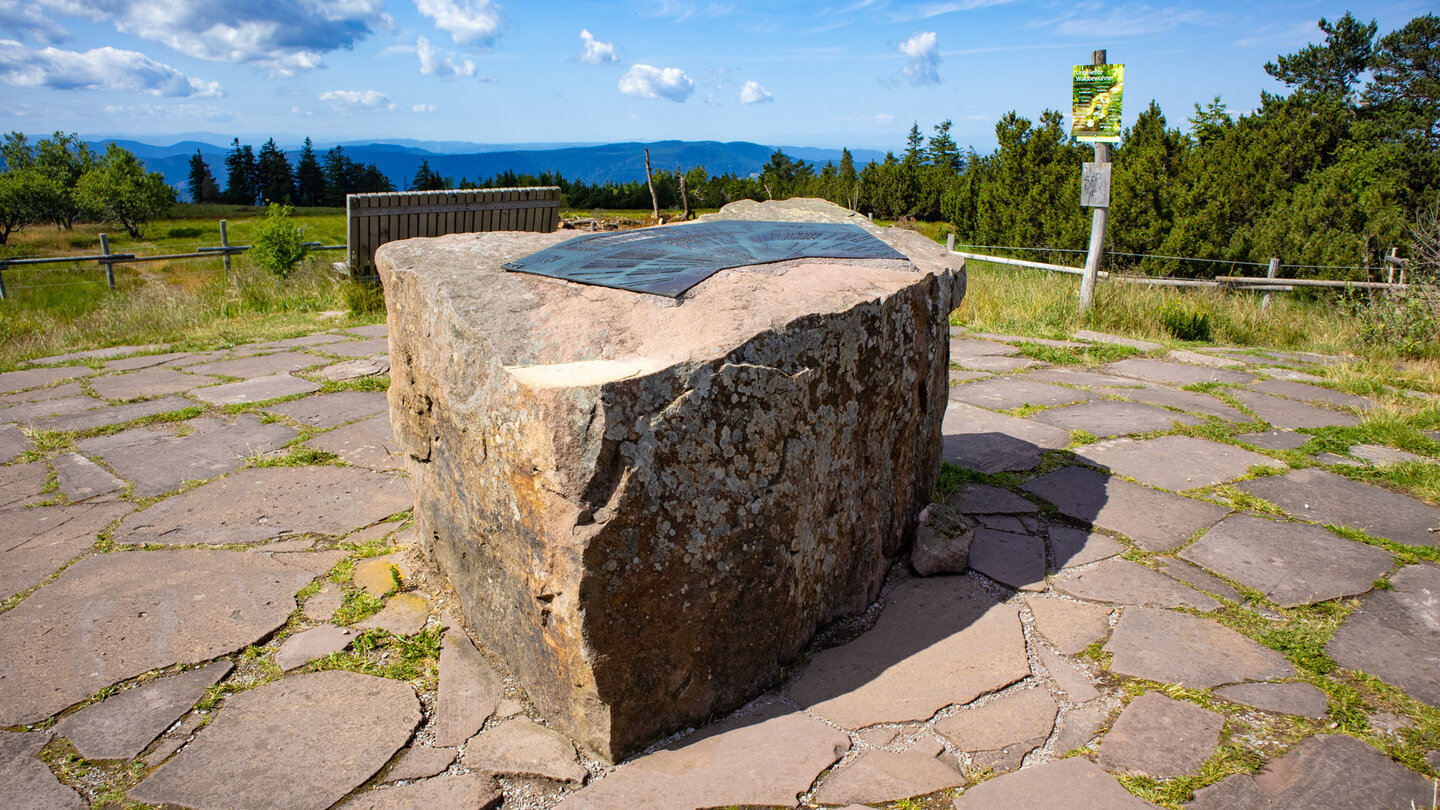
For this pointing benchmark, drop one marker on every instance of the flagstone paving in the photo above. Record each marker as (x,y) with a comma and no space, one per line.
(13,442)
(1114,418)
(1393,634)
(1160,736)
(1324,497)
(1175,462)
(1004,393)
(1291,414)
(1291,563)
(261,503)
(161,458)
(1155,520)
(150,382)
(290,730)
(1088,571)
(256,389)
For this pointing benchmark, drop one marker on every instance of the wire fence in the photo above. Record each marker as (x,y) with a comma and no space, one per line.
(107,261)
(1270,282)
(1193,259)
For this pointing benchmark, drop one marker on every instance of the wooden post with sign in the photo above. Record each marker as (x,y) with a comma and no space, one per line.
(1095,193)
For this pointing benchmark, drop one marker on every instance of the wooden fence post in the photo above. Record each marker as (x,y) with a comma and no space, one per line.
(3,265)
(109,266)
(950,242)
(225,243)
(1269,273)
(1098,217)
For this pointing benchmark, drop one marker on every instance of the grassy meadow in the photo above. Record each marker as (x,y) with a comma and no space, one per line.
(187,303)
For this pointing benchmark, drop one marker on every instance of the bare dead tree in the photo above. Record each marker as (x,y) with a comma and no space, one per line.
(654,201)
(684,195)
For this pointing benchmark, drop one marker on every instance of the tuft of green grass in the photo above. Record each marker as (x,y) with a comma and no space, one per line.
(299,456)
(376,652)
(953,477)
(1091,355)
(378,382)
(358,605)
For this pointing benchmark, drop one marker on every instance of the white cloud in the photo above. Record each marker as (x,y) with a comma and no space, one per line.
(596,52)
(435,62)
(924,55)
(925,11)
(25,18)
(357,100)
(753,93)
(645,81)
(1129,22)
(208,112)
(97,69)
(424,108)
(279,37)
(469,22)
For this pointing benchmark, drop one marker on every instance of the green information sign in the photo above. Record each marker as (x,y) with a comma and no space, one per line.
(1095,101)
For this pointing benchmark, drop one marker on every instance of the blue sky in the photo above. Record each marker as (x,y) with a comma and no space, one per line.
(831,73)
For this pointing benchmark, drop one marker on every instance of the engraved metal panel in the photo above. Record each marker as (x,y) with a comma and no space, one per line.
(670,260)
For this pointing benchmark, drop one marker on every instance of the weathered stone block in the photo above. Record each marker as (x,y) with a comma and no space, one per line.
(648,505)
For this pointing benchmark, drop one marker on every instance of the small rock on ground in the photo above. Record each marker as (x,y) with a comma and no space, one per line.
(942,542)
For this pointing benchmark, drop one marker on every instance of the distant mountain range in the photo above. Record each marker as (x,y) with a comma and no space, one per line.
(592,163)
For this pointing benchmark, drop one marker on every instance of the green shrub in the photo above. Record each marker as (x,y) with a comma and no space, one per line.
(365,297)
(277,245)
(1186,320)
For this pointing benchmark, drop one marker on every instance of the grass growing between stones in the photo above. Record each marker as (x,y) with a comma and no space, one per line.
(378,382)
(953,477)
(1091,355)
(300,456)
(376,652)
(358,605)
(101,784)
(1404,554)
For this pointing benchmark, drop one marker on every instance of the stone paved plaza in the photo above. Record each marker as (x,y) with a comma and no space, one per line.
(212,598)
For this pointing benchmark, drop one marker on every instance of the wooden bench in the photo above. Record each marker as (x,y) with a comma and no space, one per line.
(371,220)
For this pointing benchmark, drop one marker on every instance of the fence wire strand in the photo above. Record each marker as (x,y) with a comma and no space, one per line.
(1231,262)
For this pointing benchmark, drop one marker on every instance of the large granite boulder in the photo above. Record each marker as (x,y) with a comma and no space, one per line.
(648,505)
